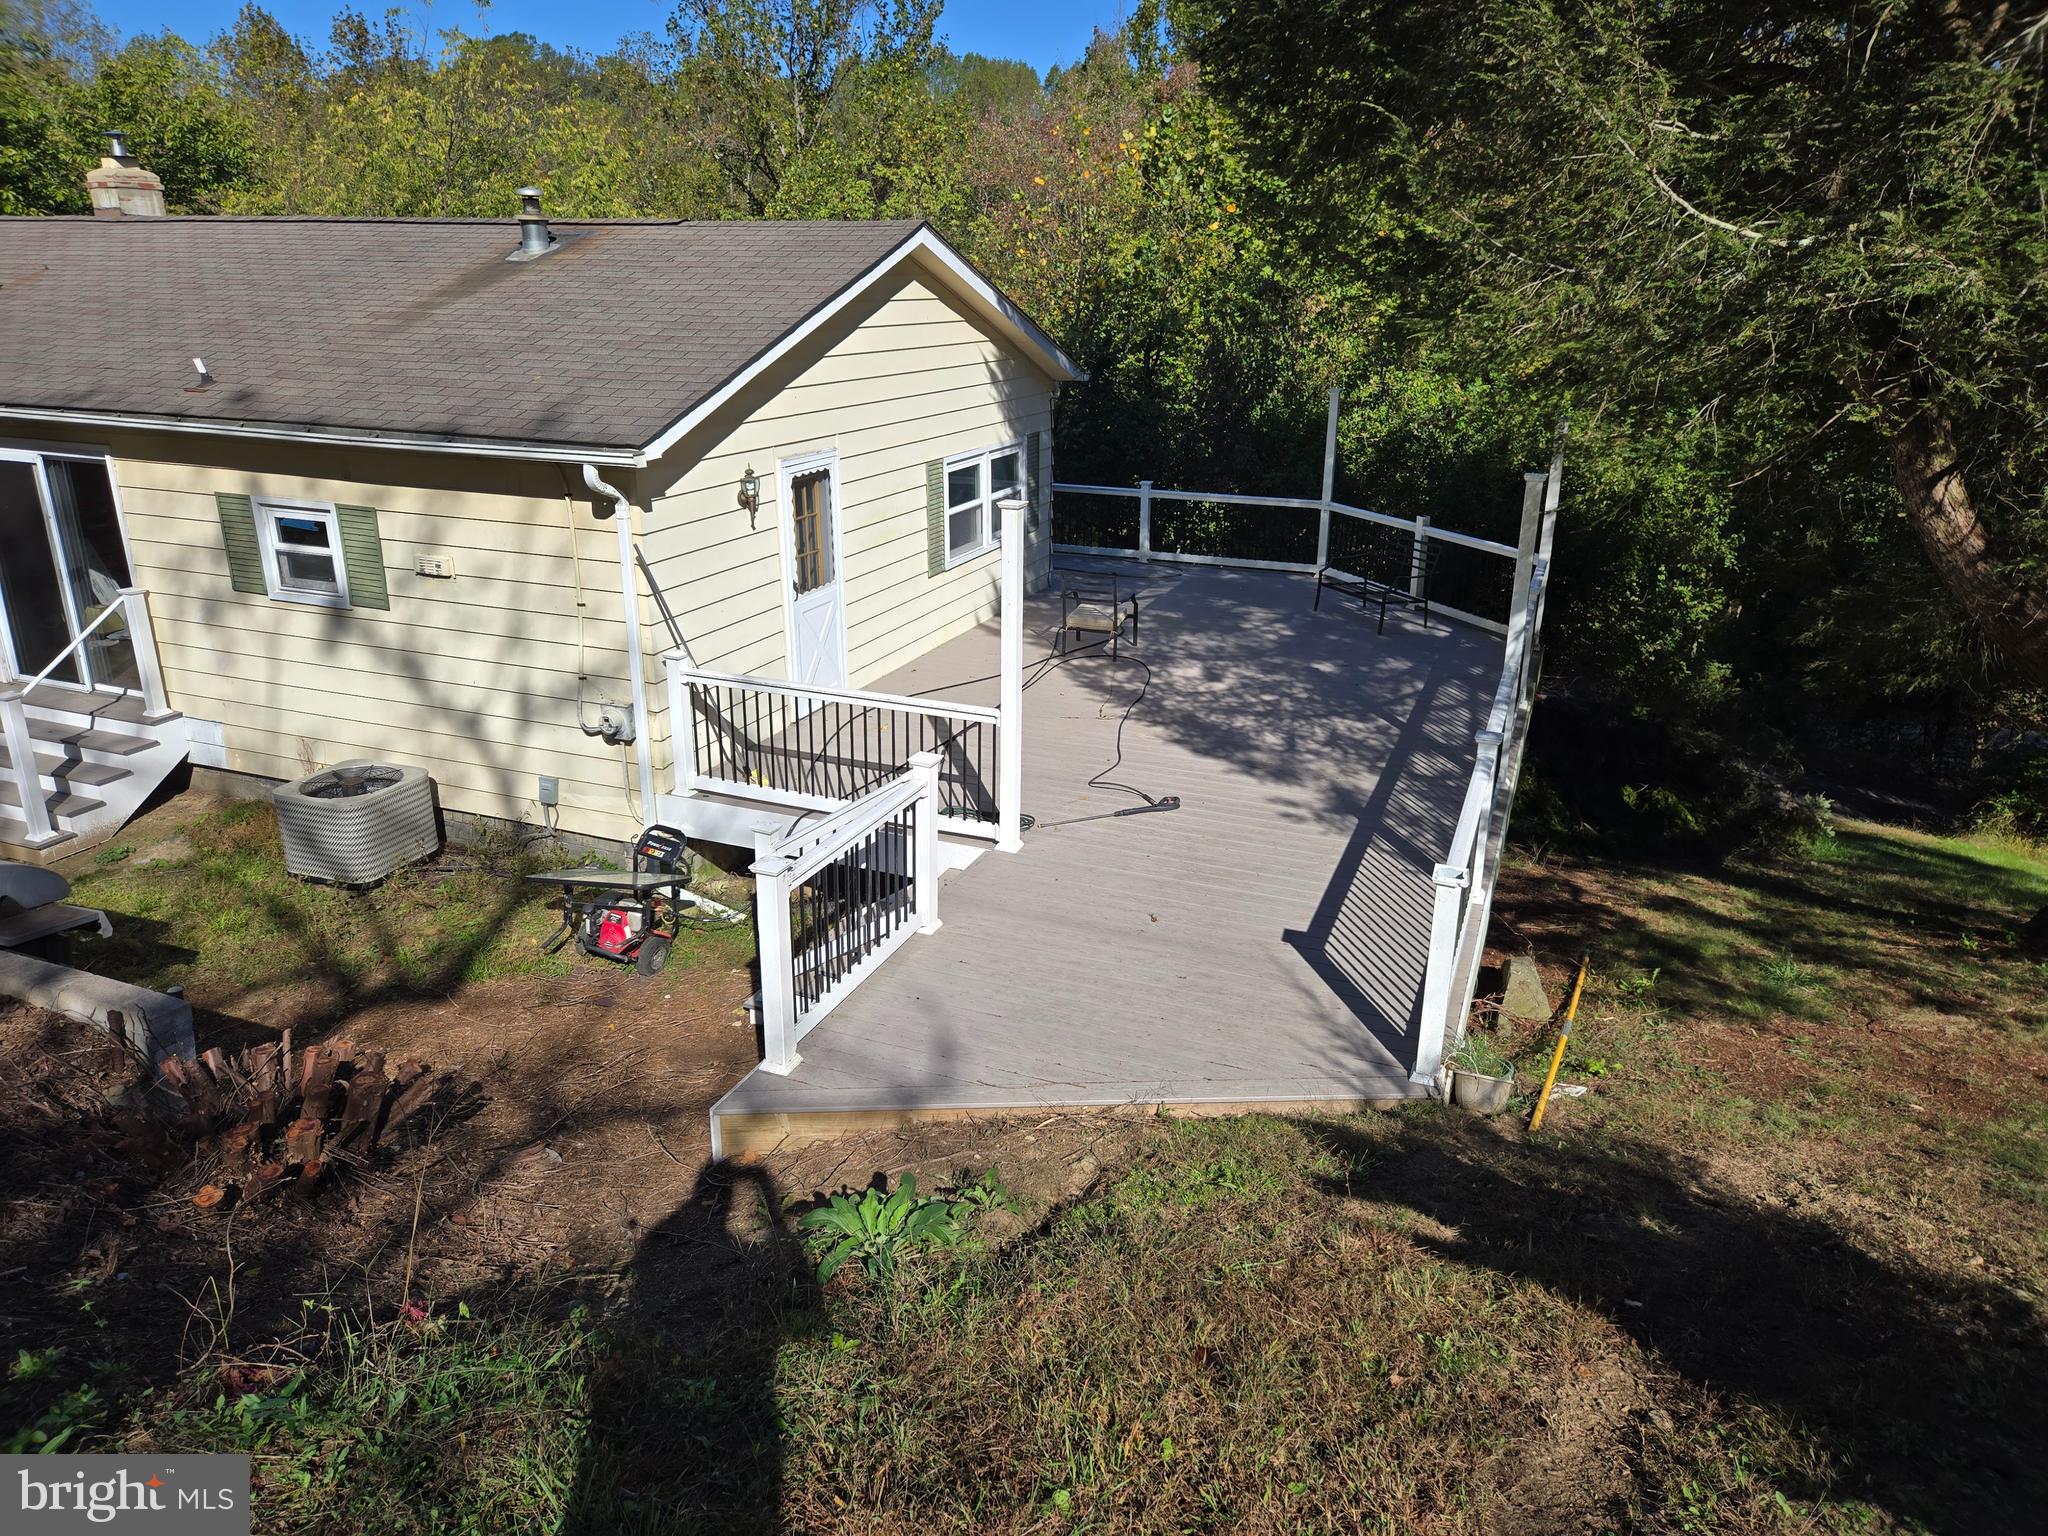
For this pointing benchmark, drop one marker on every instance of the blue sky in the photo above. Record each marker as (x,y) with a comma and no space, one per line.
(1041,32)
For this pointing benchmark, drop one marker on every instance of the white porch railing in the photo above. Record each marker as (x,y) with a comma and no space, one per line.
(1464,880)
(835,898)
(799,746)
(132,604)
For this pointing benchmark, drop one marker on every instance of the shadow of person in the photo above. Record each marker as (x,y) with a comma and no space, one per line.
(1926,1391)
(683,1431)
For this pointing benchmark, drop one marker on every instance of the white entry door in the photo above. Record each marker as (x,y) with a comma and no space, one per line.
(816,602)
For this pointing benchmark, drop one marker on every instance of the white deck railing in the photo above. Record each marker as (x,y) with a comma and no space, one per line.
(132,604)
(803,747)
(1421,535)
(1464,880)
(834,898)
(800,746)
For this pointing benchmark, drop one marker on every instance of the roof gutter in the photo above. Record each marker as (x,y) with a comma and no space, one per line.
(621,514)
(479,448)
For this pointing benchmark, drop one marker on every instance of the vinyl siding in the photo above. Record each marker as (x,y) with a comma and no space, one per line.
(475,678)
(907,380)
(472,678)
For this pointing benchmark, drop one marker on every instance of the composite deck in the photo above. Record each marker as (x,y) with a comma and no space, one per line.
(1265,943)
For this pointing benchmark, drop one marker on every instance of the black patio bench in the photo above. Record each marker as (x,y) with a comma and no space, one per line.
(1414,591)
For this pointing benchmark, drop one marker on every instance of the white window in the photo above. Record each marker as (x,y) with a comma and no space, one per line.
(974,483)
(302,560)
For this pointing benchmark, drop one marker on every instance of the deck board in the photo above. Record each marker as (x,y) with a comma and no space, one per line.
(1264,943)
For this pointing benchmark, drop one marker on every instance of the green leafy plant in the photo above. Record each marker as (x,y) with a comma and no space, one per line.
(1636,988)
(875,1227)
(986,1193)
(1481,1056)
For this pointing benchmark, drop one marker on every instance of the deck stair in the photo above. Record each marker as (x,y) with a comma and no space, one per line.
(98,757)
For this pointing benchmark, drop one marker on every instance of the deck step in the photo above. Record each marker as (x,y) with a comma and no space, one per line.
(60,802)
(72,770)
(14,834)
(107,708)
(84,737)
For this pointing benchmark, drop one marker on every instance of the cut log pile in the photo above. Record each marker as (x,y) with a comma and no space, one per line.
(253,1121)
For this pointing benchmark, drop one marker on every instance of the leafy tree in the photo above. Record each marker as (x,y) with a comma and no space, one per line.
(782,79)
(36,91)
(980,85)
(1788,238)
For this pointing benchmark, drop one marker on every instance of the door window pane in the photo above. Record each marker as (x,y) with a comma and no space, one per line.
(36,622)
(95,564)
(810,514)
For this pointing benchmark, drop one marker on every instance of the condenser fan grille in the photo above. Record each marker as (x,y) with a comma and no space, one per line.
(346,783)
(355,822)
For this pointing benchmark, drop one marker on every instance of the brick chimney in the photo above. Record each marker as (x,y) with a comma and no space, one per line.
(120,188)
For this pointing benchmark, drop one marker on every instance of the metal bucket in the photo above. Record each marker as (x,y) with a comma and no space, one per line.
(1478,1094)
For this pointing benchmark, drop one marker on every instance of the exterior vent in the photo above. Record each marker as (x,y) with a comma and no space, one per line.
(356,822)
(535,238)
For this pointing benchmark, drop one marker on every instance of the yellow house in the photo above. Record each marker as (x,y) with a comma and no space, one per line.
(482,497)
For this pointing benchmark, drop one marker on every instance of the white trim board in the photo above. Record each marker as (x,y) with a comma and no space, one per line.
(1006,317)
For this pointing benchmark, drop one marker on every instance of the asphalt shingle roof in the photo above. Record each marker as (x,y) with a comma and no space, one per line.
(414,327)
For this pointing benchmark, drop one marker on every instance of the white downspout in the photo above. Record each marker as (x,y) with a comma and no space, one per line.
(629,592)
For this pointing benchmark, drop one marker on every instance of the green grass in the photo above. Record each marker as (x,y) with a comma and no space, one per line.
(225,919)
(1887,919)
(1765,1278)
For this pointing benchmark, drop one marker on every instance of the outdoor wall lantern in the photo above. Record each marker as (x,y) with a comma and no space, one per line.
(750,494)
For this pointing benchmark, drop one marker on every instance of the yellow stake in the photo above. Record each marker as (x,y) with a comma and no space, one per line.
(1571,1012)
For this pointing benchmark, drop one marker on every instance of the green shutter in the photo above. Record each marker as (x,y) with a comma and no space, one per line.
(935,516)
(1031,478)
(238,538)
(362,551)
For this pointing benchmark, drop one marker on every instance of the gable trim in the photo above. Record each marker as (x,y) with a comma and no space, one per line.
(1021,331)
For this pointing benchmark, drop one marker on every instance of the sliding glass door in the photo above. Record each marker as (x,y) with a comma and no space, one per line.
(62,564)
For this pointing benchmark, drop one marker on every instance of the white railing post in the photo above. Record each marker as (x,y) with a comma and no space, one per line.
(156,707)
(1418,561)
(21,757)
(1010,725)
(1329,479)
(1441,974)
(1486,754)
(925,858)
(778,987)
(682,722)
(1553,493)
(1144,519)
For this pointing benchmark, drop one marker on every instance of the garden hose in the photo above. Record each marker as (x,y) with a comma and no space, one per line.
(1563,1036)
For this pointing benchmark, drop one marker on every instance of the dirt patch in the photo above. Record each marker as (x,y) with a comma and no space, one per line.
(587,1125)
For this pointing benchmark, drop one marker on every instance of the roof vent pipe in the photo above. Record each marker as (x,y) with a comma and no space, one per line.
(535,238)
